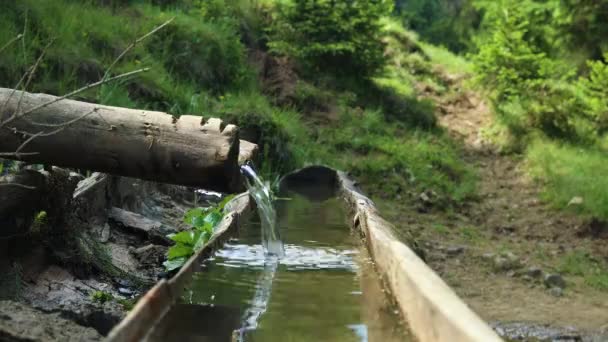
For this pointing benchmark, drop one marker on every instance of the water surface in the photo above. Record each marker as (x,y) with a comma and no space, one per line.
(323,289)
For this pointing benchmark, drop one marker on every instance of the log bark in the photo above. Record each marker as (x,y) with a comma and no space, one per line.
(150,145)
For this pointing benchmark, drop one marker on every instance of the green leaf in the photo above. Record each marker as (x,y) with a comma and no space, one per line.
(194,217)
(206,228)
(202,240)
(174,264)
(213,218)
(179,250)
(187,237)
(225,201)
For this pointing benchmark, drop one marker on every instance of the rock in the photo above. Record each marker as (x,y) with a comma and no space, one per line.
(104,236)
(140,223)
(556,292)
(506,262)
(125,291)
(534,272)
(19,322)
(454,250)
(576,200)
(150,255)
(555,280)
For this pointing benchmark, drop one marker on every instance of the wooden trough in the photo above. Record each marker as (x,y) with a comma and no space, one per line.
(433,312)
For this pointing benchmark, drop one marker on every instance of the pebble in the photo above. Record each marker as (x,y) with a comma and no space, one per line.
(556,292)
(454,250)
(555,280)
(534,272)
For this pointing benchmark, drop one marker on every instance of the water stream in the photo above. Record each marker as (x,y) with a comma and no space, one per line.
(263,196)
(319,286)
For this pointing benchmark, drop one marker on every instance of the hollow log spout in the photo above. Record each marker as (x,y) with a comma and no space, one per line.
(189,150)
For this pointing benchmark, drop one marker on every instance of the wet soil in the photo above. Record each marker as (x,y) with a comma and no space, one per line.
(507,216)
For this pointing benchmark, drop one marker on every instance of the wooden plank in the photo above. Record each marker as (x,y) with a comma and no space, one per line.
(432,310)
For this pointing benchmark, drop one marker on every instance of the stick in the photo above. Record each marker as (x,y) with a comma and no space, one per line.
(132,45)
(19,36)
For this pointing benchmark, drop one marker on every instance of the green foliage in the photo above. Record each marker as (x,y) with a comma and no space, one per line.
(527,87)
(278,132)
(203,222)
(337,37)
(101,297)
(441,22)
(582,264)
(391,158)
(208,54)
(593,88)
(571,171)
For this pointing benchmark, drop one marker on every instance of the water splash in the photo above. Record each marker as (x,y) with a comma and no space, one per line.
(261,193)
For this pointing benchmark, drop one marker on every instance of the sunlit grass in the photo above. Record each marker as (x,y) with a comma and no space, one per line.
(567,172)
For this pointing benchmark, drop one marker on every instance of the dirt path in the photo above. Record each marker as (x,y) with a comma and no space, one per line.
(496,251)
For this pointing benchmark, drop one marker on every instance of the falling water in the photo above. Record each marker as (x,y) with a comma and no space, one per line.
(261,193)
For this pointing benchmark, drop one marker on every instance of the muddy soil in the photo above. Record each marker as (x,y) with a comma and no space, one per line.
(75,279)
(496,251)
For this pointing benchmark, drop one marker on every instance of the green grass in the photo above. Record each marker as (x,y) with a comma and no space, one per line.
(470,234)
(571,171)
(453,64)
(593,271)
(200,66)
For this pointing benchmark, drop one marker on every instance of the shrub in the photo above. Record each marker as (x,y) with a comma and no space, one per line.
(209,54)
(339,37)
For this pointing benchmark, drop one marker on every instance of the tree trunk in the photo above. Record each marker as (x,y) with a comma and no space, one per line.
(156,146)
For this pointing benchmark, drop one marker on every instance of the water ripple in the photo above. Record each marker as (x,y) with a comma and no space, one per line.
(296,257)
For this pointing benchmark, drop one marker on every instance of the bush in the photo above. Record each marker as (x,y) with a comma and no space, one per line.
(338,37)
(594,88)
(527,88)
(209,54)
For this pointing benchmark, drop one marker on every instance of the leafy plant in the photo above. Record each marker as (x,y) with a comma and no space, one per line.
(203,222)
(101,297)
(339,37)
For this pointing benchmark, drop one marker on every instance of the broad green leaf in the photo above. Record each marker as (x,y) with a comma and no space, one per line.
(194,217)
(207,228)
(202,240)
(174,264)
(186,237)
(179,250)
(213,218)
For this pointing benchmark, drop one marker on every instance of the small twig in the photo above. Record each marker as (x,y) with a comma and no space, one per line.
(12,154)
(30,74)
(18,185)
(10,42)
(77,91)
(133,44)
(10,96)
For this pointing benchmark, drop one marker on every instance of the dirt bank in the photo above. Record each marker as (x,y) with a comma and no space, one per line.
(503,252)
(74,274)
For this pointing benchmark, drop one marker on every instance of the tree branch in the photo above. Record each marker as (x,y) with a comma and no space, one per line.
(133,44)
(10,42)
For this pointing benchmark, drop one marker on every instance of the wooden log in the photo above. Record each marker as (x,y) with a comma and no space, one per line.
(156,146)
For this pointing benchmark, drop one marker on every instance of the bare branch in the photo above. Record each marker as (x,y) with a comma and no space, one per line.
(133,44)
(77,91)
(10,42)
(18,185)
(31,73)
(12,154)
